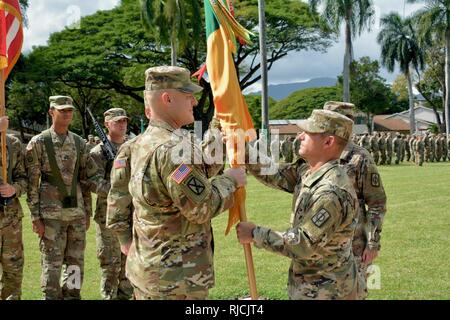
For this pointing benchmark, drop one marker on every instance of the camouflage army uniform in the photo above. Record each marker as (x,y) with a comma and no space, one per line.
(374,148)
(286,150)
(323,265)
(119,212)
(389,149)
(444,148)
(296,148)
(433,147)
(366,180)
(63,243)
(438,152)
(364,142)
(11,245)
(397,148)
(382,147)
(323,220)
(171,256)
(411,148)
(448,147)
(407,148)
(419,149)
(114,284)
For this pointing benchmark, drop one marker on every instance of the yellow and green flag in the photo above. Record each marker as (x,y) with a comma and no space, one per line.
(222,30)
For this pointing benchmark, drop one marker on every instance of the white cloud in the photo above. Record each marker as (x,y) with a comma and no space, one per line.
(308,64)
(47,16)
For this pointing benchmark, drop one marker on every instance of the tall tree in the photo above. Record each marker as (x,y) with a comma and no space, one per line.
(357,15)
(431,84)
(170,19)
(400,45)
(434,20)
(369,90)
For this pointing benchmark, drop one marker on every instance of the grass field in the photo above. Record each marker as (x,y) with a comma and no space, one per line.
(414,261)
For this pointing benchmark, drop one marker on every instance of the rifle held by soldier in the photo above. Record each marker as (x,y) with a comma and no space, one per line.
(108,148)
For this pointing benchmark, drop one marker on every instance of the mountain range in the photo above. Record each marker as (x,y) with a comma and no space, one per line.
(281,91)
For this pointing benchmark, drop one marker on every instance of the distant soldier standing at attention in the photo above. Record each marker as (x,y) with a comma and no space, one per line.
(58,164)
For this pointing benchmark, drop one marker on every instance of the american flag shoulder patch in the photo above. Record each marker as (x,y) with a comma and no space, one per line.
(180,173)
(120,163)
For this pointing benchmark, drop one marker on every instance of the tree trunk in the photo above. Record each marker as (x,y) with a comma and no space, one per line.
(347,61)
(412,118)
(173,47)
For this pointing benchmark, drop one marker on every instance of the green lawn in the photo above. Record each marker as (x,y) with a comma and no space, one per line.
(414,260)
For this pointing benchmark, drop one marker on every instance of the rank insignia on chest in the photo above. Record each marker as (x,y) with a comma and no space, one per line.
(320,218)
(120,163)
(180,173)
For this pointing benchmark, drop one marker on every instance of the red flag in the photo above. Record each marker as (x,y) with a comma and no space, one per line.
(11,35)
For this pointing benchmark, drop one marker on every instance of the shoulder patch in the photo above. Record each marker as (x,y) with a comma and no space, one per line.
(320,218)
(120,163)
(180,173)
(195,185)
(375,180)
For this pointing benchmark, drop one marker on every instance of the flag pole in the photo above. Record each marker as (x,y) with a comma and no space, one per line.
(3,133)
(263,57)
(248,253)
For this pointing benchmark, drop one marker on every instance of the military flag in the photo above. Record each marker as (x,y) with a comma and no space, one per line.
(11,35)
(222,32)
(11,38)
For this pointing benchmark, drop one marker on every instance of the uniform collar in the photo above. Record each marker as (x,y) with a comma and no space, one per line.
(315,176)
(161,124)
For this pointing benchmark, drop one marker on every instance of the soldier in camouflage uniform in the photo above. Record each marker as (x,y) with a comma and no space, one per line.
(114,284)
(58,164)
(170,256)
(323,220)
(389,148)
(397,148)
(364,142)
(411,147)
(366,180)
(374,147)
(382,147)
(438,148)
(448,147)
(11,245)
(91,142)
(444,147)
(407,148)
(296,148)
(432,148)
(419,150)
(287,150)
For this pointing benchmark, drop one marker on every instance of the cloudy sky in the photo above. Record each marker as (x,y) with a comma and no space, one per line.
(47,16)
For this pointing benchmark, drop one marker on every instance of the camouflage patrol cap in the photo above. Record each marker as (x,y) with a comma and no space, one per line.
(326,121)
(344,108)
(115,114)
(61,102)
(170,77)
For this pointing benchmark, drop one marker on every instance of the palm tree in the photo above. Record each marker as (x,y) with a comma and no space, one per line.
(434,20)
(399,44)
(169,20)
(357,15)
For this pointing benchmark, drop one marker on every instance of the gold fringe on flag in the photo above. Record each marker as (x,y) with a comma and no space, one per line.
(232,28)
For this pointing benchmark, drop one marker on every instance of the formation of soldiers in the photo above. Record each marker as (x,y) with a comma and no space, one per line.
(155,213)
(389,148)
